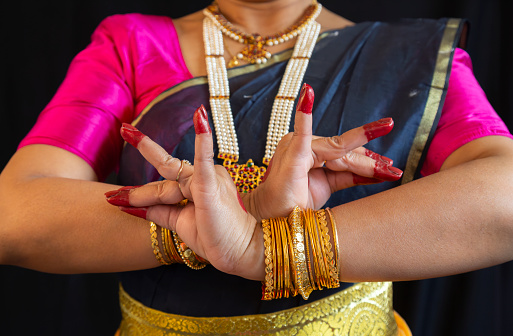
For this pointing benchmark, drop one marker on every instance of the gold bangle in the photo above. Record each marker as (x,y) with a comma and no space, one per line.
(277,260)
(300,270)
(188,256)
(268,290)
(335,241)
(169,247)
(315,271)
(290,287)
(323,265)
(308,249)
(332,281)
(155,244)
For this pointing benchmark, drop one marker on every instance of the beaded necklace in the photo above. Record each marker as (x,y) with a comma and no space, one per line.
(247,176)
(255,51)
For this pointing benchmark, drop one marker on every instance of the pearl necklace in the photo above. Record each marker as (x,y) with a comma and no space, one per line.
(248,176)
(255,51)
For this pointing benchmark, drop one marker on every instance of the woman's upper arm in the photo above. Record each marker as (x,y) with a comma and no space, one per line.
(35,161)
(467,116)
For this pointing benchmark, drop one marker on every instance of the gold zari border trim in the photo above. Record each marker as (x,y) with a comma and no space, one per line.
(433,102)
(362,309)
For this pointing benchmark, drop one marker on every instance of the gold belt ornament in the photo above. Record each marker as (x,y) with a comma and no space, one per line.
(362,309)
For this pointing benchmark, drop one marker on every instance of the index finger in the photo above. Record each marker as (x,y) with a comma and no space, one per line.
(168,166)
(332,148)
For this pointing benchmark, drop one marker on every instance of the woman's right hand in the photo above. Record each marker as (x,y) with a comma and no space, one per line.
(215,225)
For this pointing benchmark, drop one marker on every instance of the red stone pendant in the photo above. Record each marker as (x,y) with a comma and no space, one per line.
(245,176)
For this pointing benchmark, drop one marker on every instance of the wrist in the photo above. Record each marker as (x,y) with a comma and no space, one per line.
(250,200)
(254,255)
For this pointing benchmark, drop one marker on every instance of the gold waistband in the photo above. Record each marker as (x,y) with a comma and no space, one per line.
(362,309)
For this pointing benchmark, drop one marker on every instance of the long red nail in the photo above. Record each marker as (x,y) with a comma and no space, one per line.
(137,212)
(378,128)
(360,180)
(120,199)
(306,99)
(385,172)
(200,120)
(376,156)
(114,192)
(131,134)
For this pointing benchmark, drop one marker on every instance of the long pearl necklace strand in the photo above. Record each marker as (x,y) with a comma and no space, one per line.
(247,176)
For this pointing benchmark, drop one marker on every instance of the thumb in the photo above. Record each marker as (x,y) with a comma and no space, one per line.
(204,170)
(302,138)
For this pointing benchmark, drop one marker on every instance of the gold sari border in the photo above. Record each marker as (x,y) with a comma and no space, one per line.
(233,72)
(362,309)
(434,101)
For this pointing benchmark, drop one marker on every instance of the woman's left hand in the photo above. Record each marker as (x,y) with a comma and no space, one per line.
(306,170)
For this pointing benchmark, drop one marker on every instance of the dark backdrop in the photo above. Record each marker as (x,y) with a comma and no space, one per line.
(41,37)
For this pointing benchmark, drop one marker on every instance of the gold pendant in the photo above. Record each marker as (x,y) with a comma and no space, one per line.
(255,51)
(245,176)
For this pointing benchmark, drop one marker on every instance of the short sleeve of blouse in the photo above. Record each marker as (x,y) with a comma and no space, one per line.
(466,115)
(109,83)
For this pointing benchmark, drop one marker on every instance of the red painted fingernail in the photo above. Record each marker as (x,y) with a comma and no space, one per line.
(360,180)
(121,198)
(131,134)
(385,172)
(137,212)
(376,156)
(111,193)
(241,203)
(114,192)
(306,99)
(200,120)
(378,128)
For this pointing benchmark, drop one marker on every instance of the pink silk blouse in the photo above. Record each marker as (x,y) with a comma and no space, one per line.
(132,58)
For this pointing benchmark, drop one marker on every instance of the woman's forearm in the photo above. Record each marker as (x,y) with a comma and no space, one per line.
(64,225)
(451,222)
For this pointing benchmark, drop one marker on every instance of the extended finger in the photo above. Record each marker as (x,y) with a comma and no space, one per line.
(343,180)
(331,148)
(301,140)
(373,155)
(204,173)
(160,192)
(163,215)
(364,166)
(167,165)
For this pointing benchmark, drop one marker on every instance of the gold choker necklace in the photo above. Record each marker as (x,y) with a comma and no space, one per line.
(247,176)
(255,51)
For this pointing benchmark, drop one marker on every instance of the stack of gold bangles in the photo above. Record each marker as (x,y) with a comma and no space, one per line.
(298,254)
(174,250)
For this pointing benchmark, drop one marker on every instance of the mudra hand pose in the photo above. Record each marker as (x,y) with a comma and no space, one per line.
(154,73)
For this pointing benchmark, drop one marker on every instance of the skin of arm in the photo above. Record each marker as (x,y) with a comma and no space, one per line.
(51,203)
(454,221)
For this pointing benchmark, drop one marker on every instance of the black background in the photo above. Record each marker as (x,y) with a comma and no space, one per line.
(38,42)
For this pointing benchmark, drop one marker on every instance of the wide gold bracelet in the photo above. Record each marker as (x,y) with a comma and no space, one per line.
(155,244)
(268,286)
(300,272)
